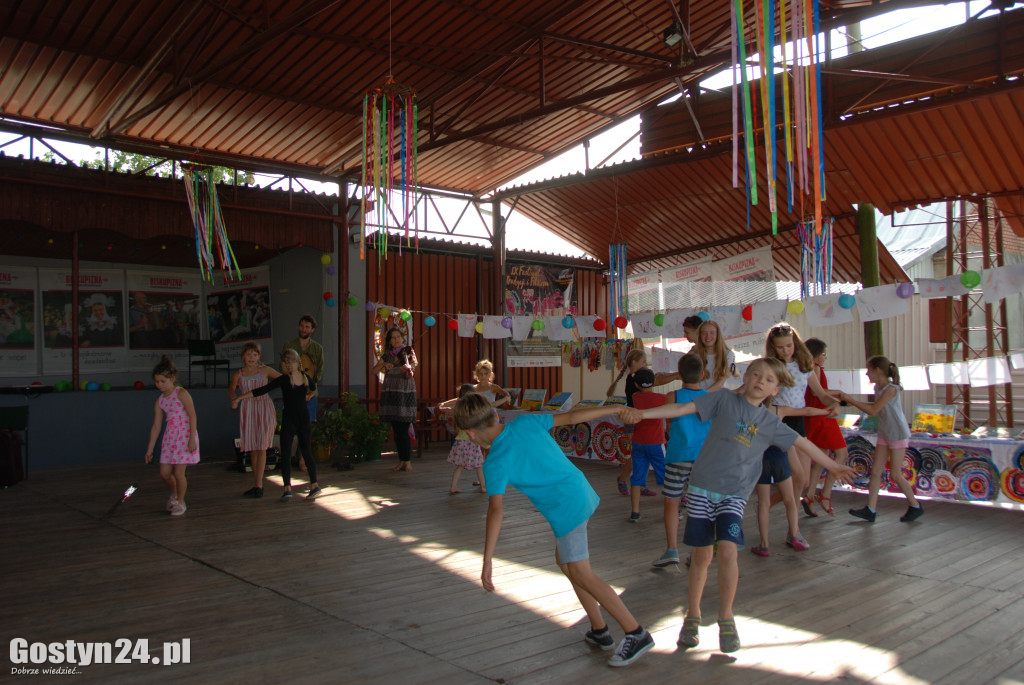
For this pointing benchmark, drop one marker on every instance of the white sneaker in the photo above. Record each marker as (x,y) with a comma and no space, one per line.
(171,501)
(178,509)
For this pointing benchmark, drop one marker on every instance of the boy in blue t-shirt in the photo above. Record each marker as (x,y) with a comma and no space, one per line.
(686,436)
(725,472)
(522,453)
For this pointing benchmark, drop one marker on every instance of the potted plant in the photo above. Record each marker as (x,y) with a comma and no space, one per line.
(364,433)
(327,434)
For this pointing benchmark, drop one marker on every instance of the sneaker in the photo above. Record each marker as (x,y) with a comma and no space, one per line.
(171,501)
(863,513)
(623,487)
(631,648)
(728,638)
(314,493)
(670,556)
(798,543)
(178,509)
(913,513)
(286,495)
(761,551)
(253,492)
(689,634)
(647,492)
(602,639)
(634,517)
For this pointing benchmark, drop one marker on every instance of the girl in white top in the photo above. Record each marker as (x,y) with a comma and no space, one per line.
(783,342)
(719,360)
(484,373)
(893,437)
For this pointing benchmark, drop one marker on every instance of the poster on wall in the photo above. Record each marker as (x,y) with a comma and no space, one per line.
(163,315)
(536,290)
(101,329)
(238,312)
(687,285)
(18,354)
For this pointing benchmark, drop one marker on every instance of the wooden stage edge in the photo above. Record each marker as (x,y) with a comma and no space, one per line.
(378,581)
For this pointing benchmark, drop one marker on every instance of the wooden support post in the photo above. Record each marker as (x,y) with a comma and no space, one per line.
(74,311)
(341,209)
(498,247)
(869,271)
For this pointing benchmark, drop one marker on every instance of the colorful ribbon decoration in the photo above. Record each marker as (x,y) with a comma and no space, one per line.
(390,163)
(618,303)
(815,256)
(212,244)
(802,114)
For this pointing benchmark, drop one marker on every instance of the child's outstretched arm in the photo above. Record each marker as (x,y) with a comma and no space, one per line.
(574,416)
(843,474)
(784,411)
(670,411)
(495,512)
(154,432)
(870,408)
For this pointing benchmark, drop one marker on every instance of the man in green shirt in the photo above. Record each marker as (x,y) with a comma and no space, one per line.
(311,357)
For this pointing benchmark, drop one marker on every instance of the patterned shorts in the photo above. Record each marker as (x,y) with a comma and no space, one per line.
(677,475)
(711,517)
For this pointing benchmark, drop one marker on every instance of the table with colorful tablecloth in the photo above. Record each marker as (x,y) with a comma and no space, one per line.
(948,466)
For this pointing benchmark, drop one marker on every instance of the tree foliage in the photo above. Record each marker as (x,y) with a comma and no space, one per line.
(138,164)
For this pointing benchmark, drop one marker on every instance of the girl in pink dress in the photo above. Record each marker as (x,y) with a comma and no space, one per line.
(257,418)
(180,446)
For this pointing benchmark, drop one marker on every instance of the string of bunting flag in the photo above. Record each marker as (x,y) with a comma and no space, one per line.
(822,310)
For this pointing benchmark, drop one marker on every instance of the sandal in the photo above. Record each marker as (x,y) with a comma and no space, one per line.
(805,502)
(728,638)
(825,503)
(761,551)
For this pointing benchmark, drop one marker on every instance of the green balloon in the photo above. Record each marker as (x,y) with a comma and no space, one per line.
(537,325)
(405,315)
(970,279)
(104,386)
(659,319)
(352,301)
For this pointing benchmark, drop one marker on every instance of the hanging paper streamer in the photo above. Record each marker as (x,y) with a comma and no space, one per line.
(618,303)
(389,175)
(815,257)
(802,50)
(212,244)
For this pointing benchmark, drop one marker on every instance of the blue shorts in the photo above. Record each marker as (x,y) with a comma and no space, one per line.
(711,517)
(646,457)
(677,475)
(572,546)
(774,466)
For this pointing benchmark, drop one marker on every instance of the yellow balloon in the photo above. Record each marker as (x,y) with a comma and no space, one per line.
(384,313)
(795,307)
(480,327)
(325,259)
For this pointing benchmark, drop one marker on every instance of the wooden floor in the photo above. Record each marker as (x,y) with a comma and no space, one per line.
(378,582)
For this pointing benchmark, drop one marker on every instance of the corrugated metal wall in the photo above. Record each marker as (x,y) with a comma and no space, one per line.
(447,284)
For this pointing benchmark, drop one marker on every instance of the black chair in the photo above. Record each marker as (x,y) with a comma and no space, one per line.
(205,348)
(16,419)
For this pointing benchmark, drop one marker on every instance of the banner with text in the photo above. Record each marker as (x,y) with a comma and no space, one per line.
(18,353)
(239,311)
(101,331)
(164,312)
(538,291)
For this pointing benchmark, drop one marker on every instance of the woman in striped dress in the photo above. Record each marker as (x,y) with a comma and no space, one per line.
(257,418)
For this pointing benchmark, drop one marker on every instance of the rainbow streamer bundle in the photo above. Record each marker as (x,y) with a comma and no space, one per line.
(618,304)
(212,244)
(802,123)
(815,256)
(389,163)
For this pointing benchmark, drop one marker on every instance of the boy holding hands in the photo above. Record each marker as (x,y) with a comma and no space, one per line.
(523,453)
(648,441)
(723,476)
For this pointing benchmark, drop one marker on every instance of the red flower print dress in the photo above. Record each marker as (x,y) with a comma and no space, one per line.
(174,448)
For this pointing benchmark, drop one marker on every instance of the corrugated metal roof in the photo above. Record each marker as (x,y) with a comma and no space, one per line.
(280,83)
(944,142)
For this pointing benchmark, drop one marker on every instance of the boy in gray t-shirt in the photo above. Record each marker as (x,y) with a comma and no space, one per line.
(723,476)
